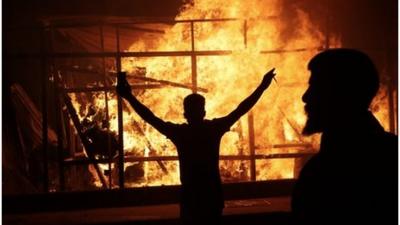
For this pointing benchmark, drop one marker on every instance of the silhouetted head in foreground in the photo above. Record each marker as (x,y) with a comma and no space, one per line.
(193,106)
(342,85)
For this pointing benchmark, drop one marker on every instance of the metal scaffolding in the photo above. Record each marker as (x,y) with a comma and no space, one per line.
(48,55)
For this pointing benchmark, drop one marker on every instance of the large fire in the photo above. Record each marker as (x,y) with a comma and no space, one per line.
(227,79)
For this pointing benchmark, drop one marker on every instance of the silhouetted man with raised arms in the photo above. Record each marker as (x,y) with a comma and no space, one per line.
(197,143)
(353,178)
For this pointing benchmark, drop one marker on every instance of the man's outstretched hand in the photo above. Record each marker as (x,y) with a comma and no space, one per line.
(268,78)
(123,87)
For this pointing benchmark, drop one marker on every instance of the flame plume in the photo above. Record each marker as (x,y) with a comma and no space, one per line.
(229,78)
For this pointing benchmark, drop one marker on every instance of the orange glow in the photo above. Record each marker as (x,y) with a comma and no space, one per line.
(278,116)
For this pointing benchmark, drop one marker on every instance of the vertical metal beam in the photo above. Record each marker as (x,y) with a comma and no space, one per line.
(59,118)
(120,121)
(252,146)
(392,120)
(388,77)
(193,60)
(44,109)
(396,115)
(106,105)
(245,33)
(60,134)
(250,119)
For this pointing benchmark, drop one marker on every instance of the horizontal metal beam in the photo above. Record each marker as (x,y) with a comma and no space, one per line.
(136,28)
(84,22)
(286,145)
(165,82)
(135,21)
(151,54)
(72,161)
(223,157)
(278,51)
(138,54)
(83,161)
(112,88)
(133,86)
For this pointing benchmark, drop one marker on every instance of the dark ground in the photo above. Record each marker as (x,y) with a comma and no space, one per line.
(250,212)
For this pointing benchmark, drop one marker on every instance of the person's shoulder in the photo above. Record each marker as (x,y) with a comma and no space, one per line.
(390,138)
(387,158)
(214,121)
(220,124)
(176,125)
(387,144)
(172,130)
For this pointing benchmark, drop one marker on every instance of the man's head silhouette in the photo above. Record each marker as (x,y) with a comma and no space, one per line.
(342,85)
(193,106)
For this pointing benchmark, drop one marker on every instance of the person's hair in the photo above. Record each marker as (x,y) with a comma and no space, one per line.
(193,102)
(350,72)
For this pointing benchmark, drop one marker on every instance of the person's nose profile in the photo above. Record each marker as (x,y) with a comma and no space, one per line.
(306,95)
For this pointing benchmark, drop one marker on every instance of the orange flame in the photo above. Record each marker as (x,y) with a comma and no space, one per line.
(278,116)
(230,78)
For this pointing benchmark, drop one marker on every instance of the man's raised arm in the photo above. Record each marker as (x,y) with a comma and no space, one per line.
(250,101)
(124,90)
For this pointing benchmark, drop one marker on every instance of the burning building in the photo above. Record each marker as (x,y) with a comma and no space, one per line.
(220,49)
